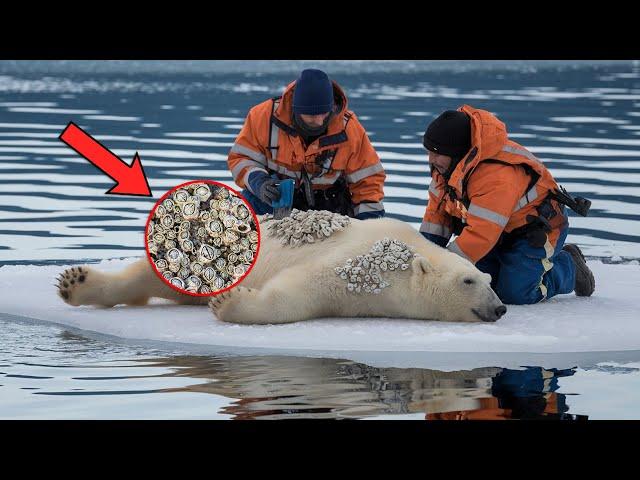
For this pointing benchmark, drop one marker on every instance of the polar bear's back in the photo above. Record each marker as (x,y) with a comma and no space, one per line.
(356,239)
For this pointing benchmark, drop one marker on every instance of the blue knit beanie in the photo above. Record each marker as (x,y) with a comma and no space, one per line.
(313,93)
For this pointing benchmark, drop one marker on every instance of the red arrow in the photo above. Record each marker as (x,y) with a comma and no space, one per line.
(131,180)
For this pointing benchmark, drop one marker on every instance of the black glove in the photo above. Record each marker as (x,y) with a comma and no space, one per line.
(264,186)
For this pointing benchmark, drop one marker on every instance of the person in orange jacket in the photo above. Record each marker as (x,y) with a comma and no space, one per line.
(504,206)
(310,136)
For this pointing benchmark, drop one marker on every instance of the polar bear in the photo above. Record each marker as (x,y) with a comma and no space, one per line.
(320,279)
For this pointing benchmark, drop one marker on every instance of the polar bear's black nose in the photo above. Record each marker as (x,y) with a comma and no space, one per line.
(501,310)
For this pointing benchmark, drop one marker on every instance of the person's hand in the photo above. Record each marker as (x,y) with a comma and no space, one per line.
(264,186)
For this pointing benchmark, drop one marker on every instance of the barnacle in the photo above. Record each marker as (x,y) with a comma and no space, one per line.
(218,282)
(190,210)
(206,253)
(203,191)
(208,274)
(166,221)
(240,211)
(214,228)
(228,221)
(222,193)
(187,245)
(159,238)
(173,255)
(220,263)
(181,195)
(229,237)
(194,280)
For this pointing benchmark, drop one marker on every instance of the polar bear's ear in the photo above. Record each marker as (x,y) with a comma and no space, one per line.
(422,265)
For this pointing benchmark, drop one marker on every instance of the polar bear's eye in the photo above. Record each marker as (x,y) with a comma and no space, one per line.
(468,281)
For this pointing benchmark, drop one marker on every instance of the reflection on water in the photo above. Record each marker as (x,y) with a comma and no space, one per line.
(518,394)
(49,372)
(278,387)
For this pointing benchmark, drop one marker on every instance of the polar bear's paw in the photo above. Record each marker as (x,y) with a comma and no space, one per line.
(71,284)
(226,305)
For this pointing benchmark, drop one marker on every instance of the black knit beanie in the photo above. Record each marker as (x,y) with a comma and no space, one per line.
(449,134)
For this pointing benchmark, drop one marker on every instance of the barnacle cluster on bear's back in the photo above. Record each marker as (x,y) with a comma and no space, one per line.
(365,273)
(304,227)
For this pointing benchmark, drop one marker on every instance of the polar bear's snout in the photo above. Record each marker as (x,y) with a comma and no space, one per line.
(492,308)
(491,316)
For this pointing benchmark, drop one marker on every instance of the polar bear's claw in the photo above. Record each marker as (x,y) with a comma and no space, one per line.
(220,303)
(68,281)
(217,301)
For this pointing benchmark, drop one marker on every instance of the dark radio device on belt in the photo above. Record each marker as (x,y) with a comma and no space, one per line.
(580,205)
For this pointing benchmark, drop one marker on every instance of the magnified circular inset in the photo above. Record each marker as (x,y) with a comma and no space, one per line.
(202,238)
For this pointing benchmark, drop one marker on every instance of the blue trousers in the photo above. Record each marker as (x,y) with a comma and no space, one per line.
(522,274)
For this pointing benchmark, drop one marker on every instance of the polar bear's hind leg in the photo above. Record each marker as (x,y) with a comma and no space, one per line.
(282,300)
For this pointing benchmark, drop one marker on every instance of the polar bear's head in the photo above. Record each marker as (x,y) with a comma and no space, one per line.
(455,290)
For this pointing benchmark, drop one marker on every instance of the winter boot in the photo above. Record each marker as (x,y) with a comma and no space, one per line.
(585,282)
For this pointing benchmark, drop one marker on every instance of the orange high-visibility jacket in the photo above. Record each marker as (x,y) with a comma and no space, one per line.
(489,190)
(270,143)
